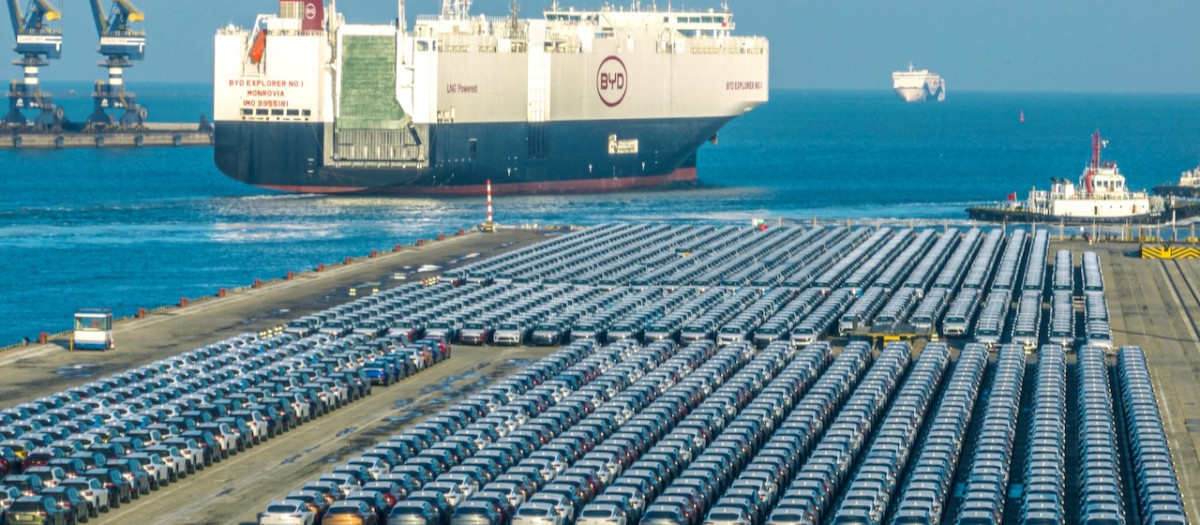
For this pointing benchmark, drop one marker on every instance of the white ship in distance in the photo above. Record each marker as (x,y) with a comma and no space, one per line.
(918,85)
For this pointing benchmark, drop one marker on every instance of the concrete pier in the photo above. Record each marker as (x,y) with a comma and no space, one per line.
(161,134)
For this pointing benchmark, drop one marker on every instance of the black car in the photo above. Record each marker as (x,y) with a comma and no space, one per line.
(132,472)
(37,509)
(69,500)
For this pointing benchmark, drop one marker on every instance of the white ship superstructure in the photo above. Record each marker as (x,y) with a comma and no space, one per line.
(577,100)
(918,85)
(1190,178)
(1101,193)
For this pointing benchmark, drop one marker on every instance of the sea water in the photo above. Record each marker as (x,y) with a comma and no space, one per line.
(124,229)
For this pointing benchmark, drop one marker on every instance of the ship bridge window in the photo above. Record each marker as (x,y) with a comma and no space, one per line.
(293,113)
(260,112)
(306,112)
(423,45)
(246,112)
(277,112)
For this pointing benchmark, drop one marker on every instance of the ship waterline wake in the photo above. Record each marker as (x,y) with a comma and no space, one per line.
(575,101)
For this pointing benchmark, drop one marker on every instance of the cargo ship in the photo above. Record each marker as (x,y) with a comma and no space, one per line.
(1101,197)
(918,85)
(574,101)
(1188,186)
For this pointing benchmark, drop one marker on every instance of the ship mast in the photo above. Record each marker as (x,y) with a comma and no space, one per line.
(1097,145)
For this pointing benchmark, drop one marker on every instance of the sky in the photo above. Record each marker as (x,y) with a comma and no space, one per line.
(1014,45)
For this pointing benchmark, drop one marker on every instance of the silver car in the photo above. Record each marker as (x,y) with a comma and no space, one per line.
(286,512)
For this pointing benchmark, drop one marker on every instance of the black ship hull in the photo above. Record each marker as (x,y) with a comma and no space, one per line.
(1010,215)
(1175,190)
(552,157)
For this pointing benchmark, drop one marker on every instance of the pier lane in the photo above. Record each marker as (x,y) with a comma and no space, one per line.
(1147,310)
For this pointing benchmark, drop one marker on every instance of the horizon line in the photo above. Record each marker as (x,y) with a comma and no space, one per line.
(91,82)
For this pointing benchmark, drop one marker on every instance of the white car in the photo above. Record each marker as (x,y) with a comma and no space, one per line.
(286,512)
(153,464)
(173,458)
(374,466)
(93,491)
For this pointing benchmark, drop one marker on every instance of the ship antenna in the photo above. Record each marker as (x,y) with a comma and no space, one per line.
(514,18)
(1097,145)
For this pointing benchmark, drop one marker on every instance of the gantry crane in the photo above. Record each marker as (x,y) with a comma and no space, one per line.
(120,45)
(37,42)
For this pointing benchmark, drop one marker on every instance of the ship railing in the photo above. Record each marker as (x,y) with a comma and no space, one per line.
(716,46)
(239,31)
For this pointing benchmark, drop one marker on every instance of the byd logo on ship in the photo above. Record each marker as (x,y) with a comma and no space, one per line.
(310,11)
(612,80)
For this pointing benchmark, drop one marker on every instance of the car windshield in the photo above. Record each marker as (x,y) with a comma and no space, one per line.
(533,511)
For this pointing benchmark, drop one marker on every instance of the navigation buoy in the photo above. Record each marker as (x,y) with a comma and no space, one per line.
(1022,115)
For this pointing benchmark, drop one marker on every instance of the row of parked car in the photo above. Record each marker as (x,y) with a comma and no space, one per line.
(1044,500)
(687,461)
(937,259)
(1158,499)
(80,452)
(442,461)
(904,262)
(1097,327)
(808,265)
(869,493)
(1007,270)
(754,445)
(816,488)
(991,462)
(925,495)
(766,267)
(770,461)
(1100,492)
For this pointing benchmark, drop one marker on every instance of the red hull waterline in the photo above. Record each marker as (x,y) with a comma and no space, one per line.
(680,175)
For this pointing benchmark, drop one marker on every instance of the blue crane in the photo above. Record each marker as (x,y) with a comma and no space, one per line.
(37,42)
(120,45)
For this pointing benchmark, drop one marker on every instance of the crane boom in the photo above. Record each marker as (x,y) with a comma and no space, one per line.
(116,22)
(98,17)
(32,22)
(14,13)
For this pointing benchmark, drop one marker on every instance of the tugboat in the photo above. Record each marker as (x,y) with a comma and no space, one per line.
(1101,197)
(1188,187)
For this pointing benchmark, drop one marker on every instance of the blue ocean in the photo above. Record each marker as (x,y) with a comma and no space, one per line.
(126,229)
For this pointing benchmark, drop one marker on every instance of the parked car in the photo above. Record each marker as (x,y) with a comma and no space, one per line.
(287,512)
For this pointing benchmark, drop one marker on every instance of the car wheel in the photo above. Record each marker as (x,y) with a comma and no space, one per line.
(94,512)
